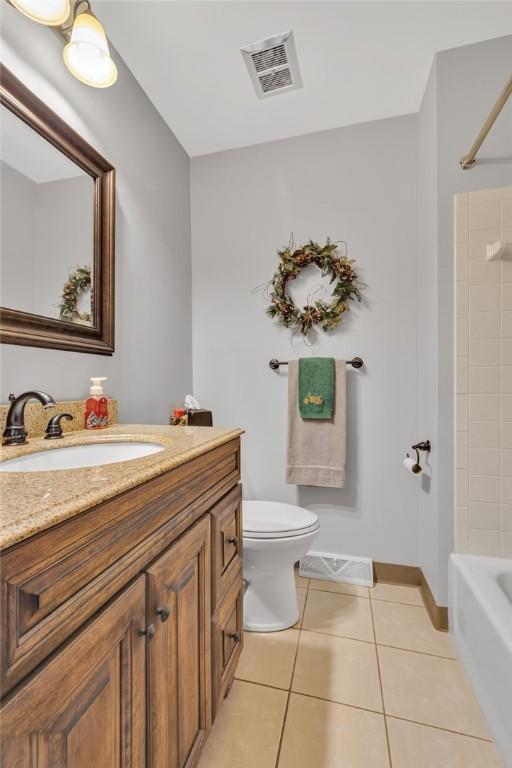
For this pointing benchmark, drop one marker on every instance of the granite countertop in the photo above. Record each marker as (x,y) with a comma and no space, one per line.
(34,501)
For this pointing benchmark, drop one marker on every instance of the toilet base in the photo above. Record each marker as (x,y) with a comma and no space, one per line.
(270,600)
(276,627)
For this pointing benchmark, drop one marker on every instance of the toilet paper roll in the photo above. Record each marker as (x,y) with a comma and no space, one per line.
(411,465)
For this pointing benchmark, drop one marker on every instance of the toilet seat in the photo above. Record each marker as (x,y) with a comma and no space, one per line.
(275,520)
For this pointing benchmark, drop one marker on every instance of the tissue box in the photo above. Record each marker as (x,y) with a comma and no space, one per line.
(199,417)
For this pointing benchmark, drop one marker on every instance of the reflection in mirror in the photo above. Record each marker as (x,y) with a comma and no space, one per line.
(47,232)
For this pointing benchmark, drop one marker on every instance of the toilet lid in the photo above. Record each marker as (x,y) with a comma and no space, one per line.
(274,520)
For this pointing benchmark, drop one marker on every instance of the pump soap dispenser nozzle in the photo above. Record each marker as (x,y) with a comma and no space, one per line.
(97,386)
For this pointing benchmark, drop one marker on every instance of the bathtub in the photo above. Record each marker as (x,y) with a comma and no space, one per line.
(480,605)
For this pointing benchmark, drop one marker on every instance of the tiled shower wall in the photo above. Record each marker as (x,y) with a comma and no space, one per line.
(483,380)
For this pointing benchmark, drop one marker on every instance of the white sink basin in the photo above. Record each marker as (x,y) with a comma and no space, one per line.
(76,456)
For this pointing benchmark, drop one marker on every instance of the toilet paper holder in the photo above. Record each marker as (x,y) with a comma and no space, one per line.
(422,446)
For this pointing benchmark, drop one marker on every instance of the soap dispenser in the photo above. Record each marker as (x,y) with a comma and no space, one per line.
(96,406)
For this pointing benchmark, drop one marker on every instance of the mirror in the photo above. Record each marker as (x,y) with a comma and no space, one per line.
(57,233)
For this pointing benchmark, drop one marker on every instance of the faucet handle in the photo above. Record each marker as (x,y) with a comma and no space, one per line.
(12,397)
(54,428)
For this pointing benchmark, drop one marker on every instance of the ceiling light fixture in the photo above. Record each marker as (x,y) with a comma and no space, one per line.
(87,55)
(49,12)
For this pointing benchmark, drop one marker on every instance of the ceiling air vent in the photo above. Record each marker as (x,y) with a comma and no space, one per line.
(273,65)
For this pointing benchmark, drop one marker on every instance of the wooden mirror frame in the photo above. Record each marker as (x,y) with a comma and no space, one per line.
(18,327)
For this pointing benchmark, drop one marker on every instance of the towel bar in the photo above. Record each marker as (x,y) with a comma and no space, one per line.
(356,362)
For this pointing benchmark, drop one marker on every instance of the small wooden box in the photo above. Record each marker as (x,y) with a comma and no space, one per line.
(199,417)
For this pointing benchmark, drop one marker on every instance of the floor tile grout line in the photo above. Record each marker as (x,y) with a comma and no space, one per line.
(421,653)
(263,685)
(398,602)
(281,735)
(339,592)
(373,626)
(370,597)
(440,728)
(278,755)
(342,637)
(341,703)
(382,645)
(381,690)
(395,717)
(371,711)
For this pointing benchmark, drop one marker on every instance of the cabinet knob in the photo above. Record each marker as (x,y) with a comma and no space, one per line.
(235,636)
(148,631)
(164,613)
(233,540)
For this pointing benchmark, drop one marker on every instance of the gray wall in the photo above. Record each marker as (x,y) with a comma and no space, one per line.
(428,331)
(152,365)
(64,238)
(17,237)
(357,184)
(463,86)
(46,232)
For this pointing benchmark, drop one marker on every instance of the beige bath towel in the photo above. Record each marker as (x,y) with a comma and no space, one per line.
(317,448)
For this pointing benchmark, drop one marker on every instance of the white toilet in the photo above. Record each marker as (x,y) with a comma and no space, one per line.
(276,535)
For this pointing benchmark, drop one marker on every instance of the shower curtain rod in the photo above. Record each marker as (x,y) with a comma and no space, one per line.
(469,160)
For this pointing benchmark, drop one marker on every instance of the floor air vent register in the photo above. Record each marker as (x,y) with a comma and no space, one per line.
(352,570)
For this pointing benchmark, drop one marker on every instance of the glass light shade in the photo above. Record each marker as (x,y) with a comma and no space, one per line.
(87,55)
(49,12)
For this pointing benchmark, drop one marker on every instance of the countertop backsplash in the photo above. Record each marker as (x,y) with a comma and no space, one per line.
(36,417)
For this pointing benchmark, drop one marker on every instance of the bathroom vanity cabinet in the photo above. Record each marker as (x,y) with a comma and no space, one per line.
(122,626)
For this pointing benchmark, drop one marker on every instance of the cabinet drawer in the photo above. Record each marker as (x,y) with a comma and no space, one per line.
(53,582)
(227,639)
(226,543)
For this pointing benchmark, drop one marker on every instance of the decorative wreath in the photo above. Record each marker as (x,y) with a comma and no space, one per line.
(77,283)
(326,314)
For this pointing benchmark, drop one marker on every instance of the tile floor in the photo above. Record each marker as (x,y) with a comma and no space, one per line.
(362,681)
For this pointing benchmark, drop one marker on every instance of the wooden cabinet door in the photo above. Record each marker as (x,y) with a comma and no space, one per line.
(179,653)
(86,707)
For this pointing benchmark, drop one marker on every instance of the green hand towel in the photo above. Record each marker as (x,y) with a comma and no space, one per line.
(316,387)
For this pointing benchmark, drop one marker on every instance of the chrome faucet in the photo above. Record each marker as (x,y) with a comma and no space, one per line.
(15,432)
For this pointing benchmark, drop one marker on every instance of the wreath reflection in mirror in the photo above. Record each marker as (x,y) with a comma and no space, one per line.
(78,282)
(326,314)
